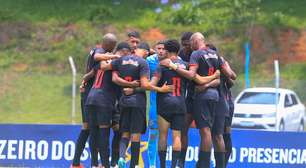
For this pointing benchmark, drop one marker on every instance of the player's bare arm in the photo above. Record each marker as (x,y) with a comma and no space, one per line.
(146,84)
(189,74)
(213,83)
(124,83)
(105,56)
(202,80)
(89,75)
(227,70)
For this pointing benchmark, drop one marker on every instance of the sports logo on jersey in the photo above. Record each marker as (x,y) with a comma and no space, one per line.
(130,62)
(211,55)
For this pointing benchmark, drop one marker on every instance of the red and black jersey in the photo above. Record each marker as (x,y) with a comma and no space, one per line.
(172,102)
(132,68)
(103,91)
(208,62)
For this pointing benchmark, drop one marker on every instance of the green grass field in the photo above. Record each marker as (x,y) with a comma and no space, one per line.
(37,98)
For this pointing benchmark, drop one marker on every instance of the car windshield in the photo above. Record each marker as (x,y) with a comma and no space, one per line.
(257,98)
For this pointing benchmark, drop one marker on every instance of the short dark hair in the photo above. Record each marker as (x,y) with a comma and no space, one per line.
(186,36)
(160,42)
(172,46)
(144,45)
(123,45)
(134,34)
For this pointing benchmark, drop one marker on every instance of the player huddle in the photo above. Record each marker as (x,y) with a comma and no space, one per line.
(188,81)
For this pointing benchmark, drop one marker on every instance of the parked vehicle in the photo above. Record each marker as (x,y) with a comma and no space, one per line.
(269,109)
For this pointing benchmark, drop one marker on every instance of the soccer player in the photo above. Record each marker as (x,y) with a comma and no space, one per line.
(133,40)
(227,81)
(153,126)
(185,54)
(129,72)
(228,122)
(101,101)
(87,83)
(171,107)
(203,63)
(122,49)
(222,110)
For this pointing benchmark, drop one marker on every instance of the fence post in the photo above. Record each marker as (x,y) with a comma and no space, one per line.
(72,65)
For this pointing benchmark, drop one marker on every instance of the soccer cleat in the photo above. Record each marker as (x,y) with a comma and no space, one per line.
(115,166)
(79,166)
(121,163)
(152,166)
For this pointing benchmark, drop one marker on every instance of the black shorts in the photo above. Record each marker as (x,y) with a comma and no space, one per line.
(189,105)
(176,120)
(204,112)
(116,116)
(133,120)
(228,120)
(84,108)
(218,125)
(99,115)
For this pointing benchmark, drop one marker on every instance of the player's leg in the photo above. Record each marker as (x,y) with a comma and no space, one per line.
(217,133)
(137,127)
(163,126)
(203,116)
(227,134)
(83,136)
(104,120)
(116,138)
(153,135)
(94,132)
(176,126)
(228,143)
(184,139)
(219,147)
(124,127)
(80,145)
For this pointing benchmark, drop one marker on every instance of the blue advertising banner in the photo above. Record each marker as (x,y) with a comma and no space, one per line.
(53,146)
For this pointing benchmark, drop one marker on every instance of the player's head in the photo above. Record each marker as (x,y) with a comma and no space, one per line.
(160,49)
(142,50)
(197,40)
(185,41)
(123,48)
(133,39)
(109,41)
(172,47)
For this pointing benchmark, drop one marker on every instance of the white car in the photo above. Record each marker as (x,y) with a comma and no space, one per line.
(255,108)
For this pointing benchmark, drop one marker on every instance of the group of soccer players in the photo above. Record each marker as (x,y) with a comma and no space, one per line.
(187,82)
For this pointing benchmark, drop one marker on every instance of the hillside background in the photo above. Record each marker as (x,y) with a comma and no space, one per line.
(38,36)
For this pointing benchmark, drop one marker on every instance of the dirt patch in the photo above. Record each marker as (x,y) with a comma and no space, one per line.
(286,45)
(153,35)
(19,67)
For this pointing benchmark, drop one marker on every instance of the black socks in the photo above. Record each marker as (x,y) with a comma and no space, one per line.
(182,158)
(80,145)
(104,146)
(115,148)
(220,161)
(204,159)
(162,158)
(228,146)
(123,145)
(175,158)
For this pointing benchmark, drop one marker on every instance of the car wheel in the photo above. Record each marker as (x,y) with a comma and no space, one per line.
(301,126)
(282,126)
